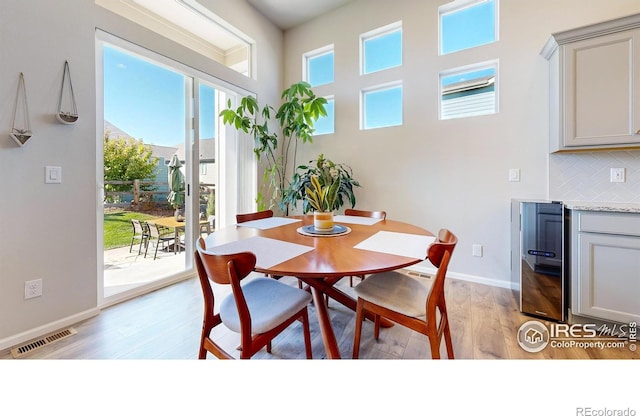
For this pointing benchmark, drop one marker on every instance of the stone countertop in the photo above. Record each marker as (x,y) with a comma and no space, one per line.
(602,206)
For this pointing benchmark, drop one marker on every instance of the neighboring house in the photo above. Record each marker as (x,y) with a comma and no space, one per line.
(208,171)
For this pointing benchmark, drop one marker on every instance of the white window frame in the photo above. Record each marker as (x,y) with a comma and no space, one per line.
(379,88)
(316,53)
(459,5)
(377,33)
(494,64)
(214,43)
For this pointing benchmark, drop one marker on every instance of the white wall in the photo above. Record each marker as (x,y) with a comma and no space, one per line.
(49,231)
(449,173)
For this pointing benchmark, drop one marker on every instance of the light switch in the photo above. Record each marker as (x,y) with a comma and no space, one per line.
(514,175)
(617,175)
(52,174)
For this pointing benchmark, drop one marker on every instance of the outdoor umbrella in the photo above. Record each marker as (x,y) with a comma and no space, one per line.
(176,183)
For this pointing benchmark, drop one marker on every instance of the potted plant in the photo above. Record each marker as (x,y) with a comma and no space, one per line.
(327,173)
(322,198)
(300,109)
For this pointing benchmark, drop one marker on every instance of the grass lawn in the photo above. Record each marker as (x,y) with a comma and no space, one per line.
(118,229)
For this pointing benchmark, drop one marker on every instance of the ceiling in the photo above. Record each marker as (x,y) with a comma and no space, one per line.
(289,13)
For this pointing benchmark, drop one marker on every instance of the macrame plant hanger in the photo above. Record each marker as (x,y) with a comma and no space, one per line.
(69,115)
(21,132)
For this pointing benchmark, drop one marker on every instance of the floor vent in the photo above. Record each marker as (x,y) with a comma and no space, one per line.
(418,274)
(41,342)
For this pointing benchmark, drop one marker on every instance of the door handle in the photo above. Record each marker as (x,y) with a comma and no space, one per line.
(541,253)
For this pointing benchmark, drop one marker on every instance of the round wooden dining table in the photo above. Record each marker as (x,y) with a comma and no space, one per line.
(328,259)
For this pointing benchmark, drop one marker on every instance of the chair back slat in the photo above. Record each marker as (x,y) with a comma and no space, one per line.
(446,241)
(240,218)
(370,214)
(216,266)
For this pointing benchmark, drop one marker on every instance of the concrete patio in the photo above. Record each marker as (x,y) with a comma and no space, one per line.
(124,270)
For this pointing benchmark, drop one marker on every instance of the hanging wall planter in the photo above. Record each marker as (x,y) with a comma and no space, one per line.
(67,113)
(21,128)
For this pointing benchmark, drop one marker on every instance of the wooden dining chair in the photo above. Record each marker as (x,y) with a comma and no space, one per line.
(258,309)
(408,301)
(369,214)
(240,218)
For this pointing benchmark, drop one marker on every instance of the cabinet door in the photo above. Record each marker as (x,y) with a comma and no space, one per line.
(609,282)
(601,76)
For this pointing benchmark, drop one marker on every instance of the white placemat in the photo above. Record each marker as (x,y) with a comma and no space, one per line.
(352,219)
(400,244)
(266,223)
(268,251)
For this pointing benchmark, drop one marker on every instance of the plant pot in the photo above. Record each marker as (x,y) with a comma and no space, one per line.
(323,221)
(179,214)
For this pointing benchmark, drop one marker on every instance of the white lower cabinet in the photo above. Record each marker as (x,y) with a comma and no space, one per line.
(605,265)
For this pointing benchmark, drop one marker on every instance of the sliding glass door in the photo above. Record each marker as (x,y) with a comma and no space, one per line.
(162,154)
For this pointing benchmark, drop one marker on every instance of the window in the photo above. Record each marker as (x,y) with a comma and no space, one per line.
(193,26)
(381,48)
(467,23)
(382,106)
(325,125)
(318,66)
(469,91)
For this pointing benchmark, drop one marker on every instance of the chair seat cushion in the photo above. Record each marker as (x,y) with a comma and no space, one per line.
(396,291)
(270,303)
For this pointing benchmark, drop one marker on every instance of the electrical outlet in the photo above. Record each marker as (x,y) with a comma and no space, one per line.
(477,250)
(32,288)
(617,175)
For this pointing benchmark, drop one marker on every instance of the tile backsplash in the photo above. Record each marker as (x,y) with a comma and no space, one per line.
(585,176)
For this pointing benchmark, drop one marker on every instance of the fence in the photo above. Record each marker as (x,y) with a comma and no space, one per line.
(136,195)
(139,198)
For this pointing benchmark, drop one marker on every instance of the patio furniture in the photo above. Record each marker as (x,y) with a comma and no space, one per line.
(415,303)
(250,309)
(160,236)
(141,233)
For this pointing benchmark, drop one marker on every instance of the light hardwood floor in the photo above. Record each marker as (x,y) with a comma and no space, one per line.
(166,324)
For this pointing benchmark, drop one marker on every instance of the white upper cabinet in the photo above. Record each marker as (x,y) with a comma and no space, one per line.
(595,86)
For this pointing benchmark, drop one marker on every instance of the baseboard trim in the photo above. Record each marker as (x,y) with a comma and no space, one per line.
(144,289)
(462,276)
(12,341)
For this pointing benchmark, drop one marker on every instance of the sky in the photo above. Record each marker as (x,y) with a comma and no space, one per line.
(147,101)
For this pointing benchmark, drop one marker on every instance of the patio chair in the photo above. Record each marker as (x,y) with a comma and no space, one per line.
(159,236)
(249,309)
(415,303)
(141,233)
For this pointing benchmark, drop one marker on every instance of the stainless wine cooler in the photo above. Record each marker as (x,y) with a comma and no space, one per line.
(537,260)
